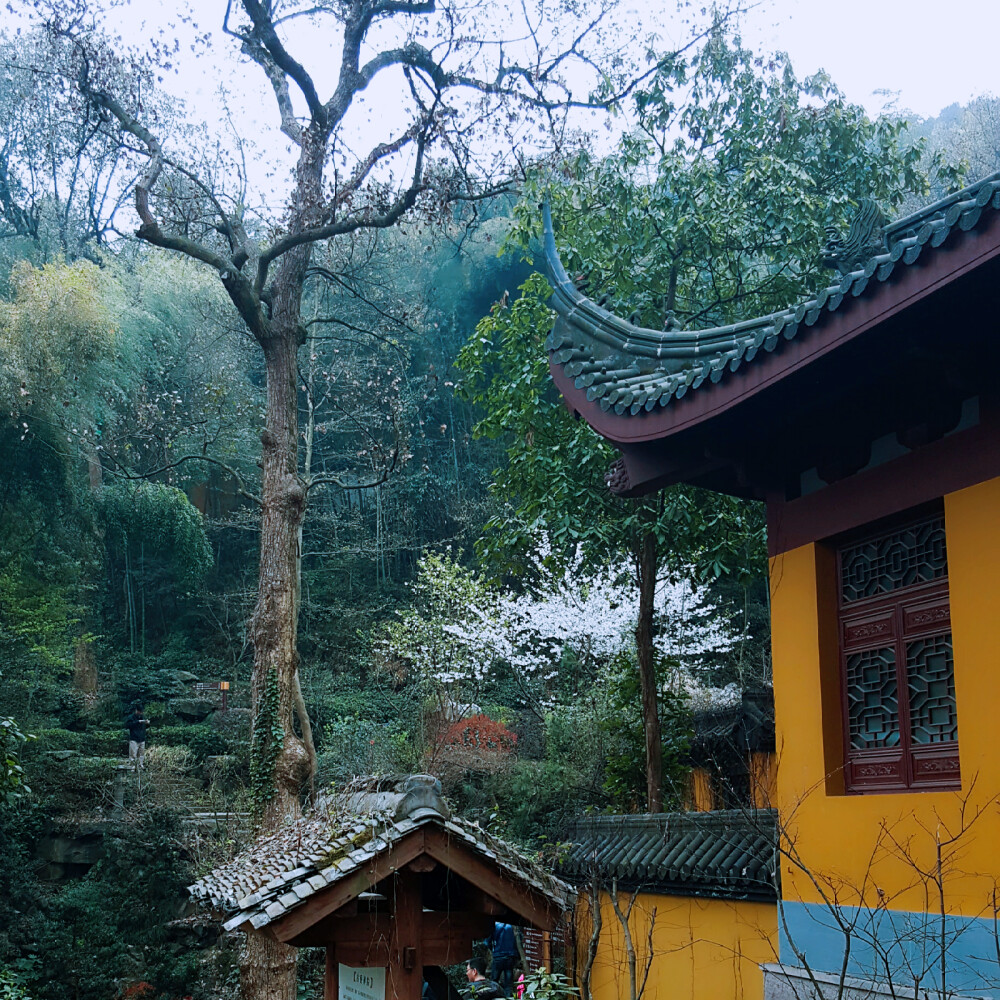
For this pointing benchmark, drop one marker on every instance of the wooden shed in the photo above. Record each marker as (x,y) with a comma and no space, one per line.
(385,879)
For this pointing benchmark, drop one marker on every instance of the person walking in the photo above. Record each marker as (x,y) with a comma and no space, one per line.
(136,726)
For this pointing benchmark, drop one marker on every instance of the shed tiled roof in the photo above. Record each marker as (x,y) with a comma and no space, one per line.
(728,854)
(630,370)
(344,834)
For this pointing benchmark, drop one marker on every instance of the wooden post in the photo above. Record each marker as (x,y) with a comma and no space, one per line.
(406,966)
(330,984)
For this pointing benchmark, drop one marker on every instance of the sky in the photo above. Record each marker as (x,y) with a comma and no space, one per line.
(933,52)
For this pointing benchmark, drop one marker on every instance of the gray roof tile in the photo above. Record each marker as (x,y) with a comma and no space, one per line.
(727,853)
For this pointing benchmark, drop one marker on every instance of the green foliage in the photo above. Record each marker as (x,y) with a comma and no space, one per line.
(58,335)
(77,783)
(147,679)
(12,783)
(94,742)
(553,482)
(37,619)
(142,517)
(713,209)
(573,734)
(441,594)
(355,746)
(12,986)
(204,740)
(624,774)
(20,919)
(265,745)
(93,937)
(549,985)
(137,888)
(37,626)
(537,800)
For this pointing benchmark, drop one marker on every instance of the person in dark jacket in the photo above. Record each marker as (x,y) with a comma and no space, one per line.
(480,987)
(503,947)
(136,726)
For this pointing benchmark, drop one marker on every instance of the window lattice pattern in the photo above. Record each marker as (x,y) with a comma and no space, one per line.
(911,555)
(872,699)
(930,675)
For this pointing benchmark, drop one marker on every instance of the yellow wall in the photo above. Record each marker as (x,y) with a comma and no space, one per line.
(856,843)
(702,948)
(701,797)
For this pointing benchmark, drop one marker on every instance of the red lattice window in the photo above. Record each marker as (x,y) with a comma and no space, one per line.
(900,722)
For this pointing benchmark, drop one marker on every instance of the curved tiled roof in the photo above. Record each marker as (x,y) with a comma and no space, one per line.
(343,835)
(747,726)
(630,370)
(729,853)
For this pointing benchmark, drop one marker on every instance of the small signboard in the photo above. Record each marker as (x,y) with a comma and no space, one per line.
(360,984)
(222,686)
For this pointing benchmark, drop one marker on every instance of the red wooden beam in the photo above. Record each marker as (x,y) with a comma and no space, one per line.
(532,906)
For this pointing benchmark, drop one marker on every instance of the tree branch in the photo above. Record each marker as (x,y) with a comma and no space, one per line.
(240,291)
(241,486)
(329,478)
(266,36)
(385,220)
(379,152)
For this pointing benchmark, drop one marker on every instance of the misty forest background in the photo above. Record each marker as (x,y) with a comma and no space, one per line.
(436,588)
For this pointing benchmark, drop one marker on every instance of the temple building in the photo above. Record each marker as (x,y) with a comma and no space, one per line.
(867,419)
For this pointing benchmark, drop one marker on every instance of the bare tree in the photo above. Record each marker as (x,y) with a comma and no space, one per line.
(636,980)
(594,938)
(469,83)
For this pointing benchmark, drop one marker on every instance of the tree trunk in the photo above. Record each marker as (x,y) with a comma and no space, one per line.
(647,675)
(267,969)
(274,626)
(280,764)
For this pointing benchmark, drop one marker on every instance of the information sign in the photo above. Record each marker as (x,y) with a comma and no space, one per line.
(360,984)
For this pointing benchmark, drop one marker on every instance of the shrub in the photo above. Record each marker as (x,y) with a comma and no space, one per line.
(95,743)
(11,986)
(203,740)
(475,744)
(169,759)
(360,746)
(76,783)
(537,800)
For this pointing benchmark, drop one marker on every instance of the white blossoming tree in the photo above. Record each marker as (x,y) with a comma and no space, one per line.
(461,631)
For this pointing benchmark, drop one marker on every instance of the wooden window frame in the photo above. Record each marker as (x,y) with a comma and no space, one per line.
(893,619)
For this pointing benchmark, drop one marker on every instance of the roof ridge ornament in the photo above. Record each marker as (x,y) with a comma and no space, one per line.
(421,797)
(865,239)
